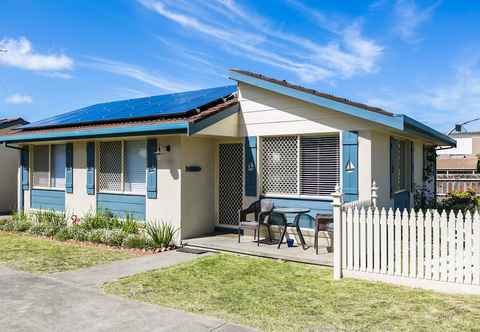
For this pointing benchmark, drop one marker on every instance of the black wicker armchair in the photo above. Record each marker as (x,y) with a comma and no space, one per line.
(261,210)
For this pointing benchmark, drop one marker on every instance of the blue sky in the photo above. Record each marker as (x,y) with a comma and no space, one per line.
(421,58)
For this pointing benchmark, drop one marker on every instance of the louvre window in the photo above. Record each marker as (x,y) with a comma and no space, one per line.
(306,165)
(49,166)
(122,166)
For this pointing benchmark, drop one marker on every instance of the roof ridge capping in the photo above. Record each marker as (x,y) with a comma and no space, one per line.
(344,105)
(312,91)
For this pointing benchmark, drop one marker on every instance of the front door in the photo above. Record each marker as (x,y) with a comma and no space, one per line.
(230,182)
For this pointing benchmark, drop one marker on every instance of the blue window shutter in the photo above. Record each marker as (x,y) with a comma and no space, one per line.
(350,165)
(151,168)
(251,166)
(24,161)
(91,168)
(69,167)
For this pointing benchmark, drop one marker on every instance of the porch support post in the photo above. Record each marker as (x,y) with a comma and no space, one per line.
(374,194)
(337,232)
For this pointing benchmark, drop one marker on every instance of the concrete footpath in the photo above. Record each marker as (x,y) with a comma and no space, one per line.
(97,275)
(72,301)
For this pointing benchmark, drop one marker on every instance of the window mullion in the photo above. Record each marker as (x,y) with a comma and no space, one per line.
(122,182)
(298,165)
(49,165)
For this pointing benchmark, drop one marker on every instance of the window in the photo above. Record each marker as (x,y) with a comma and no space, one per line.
(307,165)
(401,164)
(49,163)
(122,166)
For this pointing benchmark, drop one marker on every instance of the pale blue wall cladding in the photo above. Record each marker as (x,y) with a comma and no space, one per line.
(48,199)
(316,206)
(121,205)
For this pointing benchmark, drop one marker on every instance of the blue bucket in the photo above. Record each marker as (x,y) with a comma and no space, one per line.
(290,243)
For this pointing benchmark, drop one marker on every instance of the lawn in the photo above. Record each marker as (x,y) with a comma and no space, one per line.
(33,254)
(282,296)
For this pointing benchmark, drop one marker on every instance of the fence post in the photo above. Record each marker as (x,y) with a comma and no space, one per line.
(374,194)
(337,233)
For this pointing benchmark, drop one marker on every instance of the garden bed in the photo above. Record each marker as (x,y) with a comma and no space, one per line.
(100,229)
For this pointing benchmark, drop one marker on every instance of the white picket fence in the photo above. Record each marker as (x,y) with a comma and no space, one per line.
(431,250)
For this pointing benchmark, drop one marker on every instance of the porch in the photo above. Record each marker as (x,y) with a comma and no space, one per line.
(228,242)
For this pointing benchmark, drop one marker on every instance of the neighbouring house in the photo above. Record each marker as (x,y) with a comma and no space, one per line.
(195,158)
(458,168)
(9,160)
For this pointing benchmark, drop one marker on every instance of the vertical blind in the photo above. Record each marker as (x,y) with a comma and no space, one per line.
(135,166)
(319,164)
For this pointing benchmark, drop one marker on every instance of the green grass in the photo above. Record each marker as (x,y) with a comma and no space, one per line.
(282,296)
(32,254)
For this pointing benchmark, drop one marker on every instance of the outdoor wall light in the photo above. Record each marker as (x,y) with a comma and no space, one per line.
(162,149)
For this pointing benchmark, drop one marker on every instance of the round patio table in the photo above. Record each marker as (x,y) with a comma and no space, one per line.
(298,213)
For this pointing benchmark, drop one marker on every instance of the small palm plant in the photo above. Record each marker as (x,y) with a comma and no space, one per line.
(161,235)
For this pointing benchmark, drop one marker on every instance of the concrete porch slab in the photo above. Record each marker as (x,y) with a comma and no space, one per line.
(229,243)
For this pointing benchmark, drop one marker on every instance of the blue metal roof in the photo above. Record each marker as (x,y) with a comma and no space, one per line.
(149,107)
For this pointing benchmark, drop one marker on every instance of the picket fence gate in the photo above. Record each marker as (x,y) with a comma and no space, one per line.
(431,250)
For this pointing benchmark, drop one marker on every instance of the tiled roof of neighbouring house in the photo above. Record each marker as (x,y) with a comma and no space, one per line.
(166,106)
(467,163)
(11,122)
(313,92)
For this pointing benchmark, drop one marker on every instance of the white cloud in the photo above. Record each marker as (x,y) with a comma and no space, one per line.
(246,34)
(137,73)
(456,99)
(409,18)
(20,54)
(18,99)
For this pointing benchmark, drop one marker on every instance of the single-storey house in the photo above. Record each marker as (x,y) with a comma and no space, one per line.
(195,158)
(9,159)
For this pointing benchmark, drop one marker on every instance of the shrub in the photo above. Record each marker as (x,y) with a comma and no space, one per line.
(22,225)
(20,216)
(96,235)
(113,237)
(161,234)
(48,222)
(463,201)
(100,220)
(7,225)
(78,233)
(64,234)
(130,226)
(137,241)
(43,229)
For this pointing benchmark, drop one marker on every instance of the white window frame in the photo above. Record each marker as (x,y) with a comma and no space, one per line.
(298,195)
(32,168)
(122,167)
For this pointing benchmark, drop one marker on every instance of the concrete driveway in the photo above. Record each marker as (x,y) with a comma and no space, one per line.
(31,302)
